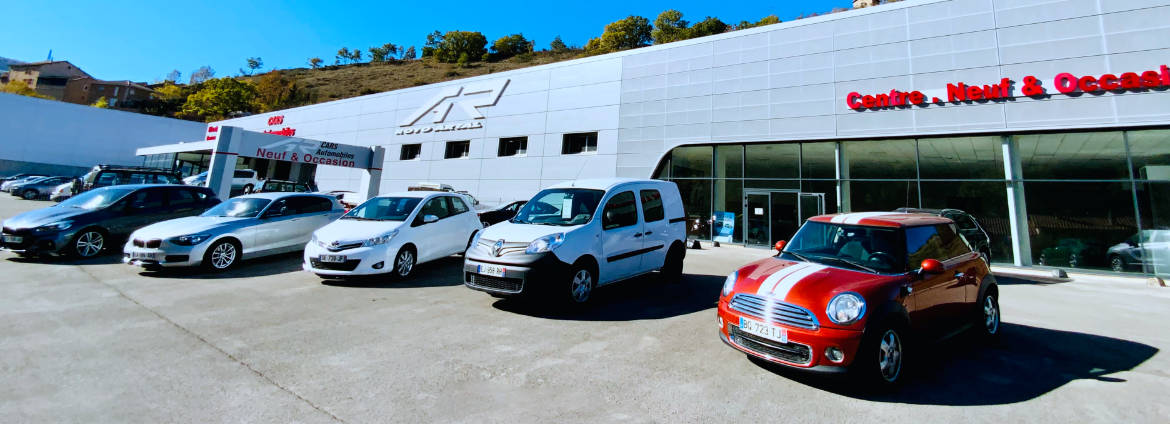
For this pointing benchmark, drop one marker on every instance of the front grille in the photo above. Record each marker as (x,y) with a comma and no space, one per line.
(790,352)
(773,310)
(505,249)
(349,265)
(152,243)
(341,247)
(498,284)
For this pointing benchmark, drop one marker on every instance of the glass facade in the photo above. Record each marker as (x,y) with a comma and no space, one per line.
(1097,200)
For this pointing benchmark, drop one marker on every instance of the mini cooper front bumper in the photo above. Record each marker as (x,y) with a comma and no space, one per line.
(805,349)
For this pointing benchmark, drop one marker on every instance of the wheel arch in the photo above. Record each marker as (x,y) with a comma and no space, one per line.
(988,285)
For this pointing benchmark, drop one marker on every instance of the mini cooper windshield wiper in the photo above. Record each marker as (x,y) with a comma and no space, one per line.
(846,261)
(799,256)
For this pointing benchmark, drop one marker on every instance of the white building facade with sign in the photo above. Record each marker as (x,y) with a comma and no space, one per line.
(1016,112)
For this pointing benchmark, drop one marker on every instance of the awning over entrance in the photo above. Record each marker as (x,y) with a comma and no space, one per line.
(226,143)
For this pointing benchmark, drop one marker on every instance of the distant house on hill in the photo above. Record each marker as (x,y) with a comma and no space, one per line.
(66,82)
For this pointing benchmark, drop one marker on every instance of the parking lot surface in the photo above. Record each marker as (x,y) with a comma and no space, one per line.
(99,341)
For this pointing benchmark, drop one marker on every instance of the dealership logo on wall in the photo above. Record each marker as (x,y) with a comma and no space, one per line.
(1064,83)
(468,98)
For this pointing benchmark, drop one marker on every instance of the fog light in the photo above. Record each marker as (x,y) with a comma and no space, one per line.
(834,354)
(379,265)
(720,321)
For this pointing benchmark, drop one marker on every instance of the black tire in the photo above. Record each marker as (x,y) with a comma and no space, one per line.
(579,284)
(404,262)
(673,267)
(222,256)
(881,359)
(30,194)
(469,240)
(1116,263)
(88,243)
(248,189)
(989,317)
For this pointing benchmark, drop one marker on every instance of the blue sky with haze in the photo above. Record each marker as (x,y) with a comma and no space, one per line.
(143,41)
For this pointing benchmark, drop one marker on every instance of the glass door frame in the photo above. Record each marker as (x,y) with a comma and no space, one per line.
(769,191)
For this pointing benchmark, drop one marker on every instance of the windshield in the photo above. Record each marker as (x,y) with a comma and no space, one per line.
(871,249)
(240,207)
(560,206)
(384,209)
(96,199)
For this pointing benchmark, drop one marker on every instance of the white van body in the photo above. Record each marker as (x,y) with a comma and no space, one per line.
(638,226)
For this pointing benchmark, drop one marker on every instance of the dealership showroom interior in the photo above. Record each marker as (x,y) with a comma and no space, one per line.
(858,210)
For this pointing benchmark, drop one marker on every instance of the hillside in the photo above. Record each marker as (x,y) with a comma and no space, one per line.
(343,81)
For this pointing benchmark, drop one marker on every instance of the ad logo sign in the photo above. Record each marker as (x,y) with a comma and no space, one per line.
(469,98)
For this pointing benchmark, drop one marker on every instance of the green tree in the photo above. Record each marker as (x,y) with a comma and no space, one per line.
(668,27)
(385,53)
(254,64)
(101,103)
(276,91)
(458,43)
(167,99)
(767,20)
(511,45)
(409,54)
(20,88)
(627,33)
(558,46)
(434,39)
(220,98)
(708,26)
(342,55)
(355,56)
(314,62)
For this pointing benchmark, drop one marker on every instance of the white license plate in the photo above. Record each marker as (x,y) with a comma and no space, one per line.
(491,270)
(13,239)
(152,256)
(770,332)
(332,258)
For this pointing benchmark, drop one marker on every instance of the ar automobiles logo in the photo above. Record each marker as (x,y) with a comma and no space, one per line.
(469,98)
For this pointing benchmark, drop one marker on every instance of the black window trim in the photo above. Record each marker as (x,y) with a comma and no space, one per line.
(637,210)
(417,153)
(500,146)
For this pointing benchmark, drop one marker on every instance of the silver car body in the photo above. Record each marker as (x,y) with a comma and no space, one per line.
(7,185)
(42,188)
(260,235)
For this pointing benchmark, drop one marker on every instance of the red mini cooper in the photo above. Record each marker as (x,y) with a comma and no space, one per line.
(850,291)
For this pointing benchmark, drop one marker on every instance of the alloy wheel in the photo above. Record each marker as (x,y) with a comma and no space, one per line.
(405,262)
(89,244)
(581,286)
(223,256)
(990,315)
(1117,264)
(29,195)
(890,356)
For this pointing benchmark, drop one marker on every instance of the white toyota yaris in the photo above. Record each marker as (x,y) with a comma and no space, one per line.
(392,233)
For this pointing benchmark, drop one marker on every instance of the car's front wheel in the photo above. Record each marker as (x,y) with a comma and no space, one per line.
(248,189)
(581,283)
(881,360)
(404,262)
(88,243)
(29,194)
(989,317)
(1116,263)
(221,256)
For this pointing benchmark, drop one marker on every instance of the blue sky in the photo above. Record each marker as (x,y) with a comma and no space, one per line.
(143,41)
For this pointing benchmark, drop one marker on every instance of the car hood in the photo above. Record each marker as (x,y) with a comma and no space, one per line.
(350,230)
(39,217)
(188,225)
(522,233)
(810,285)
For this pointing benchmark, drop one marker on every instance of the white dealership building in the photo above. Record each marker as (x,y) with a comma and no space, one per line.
(1046,120)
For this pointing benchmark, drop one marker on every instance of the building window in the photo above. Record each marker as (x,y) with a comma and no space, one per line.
(514,146)
(410,152)
(579,143)
(457,149)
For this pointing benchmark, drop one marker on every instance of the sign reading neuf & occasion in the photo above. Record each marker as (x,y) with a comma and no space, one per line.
(1004,89)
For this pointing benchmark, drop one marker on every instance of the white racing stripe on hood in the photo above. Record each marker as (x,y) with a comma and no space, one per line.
(770,282)
(780,292)
(854,218)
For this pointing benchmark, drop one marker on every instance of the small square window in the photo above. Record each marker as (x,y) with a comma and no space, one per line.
(579,143)
(410,152)
(514,146)
(457,149)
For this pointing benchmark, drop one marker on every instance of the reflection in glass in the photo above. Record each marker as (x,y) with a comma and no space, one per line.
(1072,156)
(1068,230)
(729,161)
(818,160)
(696,196)
(959,158)
(773,160)
(1149,151)
(1150,253)
(881,159)
(691,162)
(868,196)
(985,201)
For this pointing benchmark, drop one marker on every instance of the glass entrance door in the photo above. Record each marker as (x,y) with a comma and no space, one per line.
(770,216)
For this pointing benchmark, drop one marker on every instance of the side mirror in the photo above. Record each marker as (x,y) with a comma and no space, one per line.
(932,266)
(780,245)
(427,219)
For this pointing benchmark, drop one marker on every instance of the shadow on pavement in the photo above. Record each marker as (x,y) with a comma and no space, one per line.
(104,259)
(635,299)
(443,272)
(1026,363)
(258,267)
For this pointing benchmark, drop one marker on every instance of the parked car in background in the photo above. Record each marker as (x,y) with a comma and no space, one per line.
(18,176)
(1148,250)
(38,188)
(500,213)
(197,179)
(577,235)
(392,234)
(63,191)
(471,199)
(112,175)
(278,186)
(347,198)
(855,292)
(86,224)
(246,179)
(7,185)
(1073,253)
(968,227)
(242,227)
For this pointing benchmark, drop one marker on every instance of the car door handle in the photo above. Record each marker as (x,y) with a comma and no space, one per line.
(960,275)
(636,235)
(649,232)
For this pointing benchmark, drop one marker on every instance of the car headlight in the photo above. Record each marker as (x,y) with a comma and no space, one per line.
(545,244)
(846,308)
(56,226)
(475,240)
(730,283)
(190,239)
(382,239)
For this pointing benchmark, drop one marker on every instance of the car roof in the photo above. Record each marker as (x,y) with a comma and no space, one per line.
(882,219)
(601,183)
(138,186)
(416,194)
(273,195)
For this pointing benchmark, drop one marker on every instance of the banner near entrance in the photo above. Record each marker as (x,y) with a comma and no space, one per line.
(724,226)
(300,150)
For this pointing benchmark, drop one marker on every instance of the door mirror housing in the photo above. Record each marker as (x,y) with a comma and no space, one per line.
(931,266)
(427,219)
(779,246)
